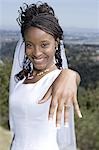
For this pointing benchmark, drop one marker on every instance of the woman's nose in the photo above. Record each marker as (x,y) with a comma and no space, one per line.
(37,52)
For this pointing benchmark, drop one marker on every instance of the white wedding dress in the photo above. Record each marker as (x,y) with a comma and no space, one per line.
(29,120)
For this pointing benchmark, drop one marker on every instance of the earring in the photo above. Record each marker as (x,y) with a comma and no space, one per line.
(56,48)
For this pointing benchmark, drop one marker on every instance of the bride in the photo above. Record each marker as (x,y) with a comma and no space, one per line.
(40,121)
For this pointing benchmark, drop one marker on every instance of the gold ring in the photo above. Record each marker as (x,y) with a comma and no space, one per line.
(67,106)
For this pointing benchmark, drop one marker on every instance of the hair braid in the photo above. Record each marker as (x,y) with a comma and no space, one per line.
(58,57)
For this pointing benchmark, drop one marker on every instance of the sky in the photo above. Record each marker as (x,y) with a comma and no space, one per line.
(71,13)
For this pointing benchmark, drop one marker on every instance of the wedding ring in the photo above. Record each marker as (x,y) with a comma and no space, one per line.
(67,106)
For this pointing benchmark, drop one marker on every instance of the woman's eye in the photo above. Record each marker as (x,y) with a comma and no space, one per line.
(28,45)
(45,45)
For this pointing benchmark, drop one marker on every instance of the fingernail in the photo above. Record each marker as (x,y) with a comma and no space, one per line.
(80,115)
(58,126)
(66,124)
(41,101)
(50,118)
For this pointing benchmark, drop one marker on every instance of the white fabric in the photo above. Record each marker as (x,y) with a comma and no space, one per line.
(20,111)
(17,62)
(30,122)
(63,56)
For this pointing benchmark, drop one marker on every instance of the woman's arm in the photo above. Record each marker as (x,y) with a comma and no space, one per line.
(63,96)
(78,79)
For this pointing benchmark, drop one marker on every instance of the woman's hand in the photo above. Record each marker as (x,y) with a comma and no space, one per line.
(64,93)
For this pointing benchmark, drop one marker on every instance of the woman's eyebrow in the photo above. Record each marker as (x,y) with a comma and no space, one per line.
(42,41)
(45,41)
(28,41)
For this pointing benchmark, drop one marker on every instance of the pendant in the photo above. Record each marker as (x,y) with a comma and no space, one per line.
(30,77)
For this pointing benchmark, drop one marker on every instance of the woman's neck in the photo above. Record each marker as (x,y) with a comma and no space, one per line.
(37,75)
(44,71)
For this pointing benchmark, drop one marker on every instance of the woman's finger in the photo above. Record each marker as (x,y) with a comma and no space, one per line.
(77,108)
(67,107)
(59,113)
(46,96)
(52,108)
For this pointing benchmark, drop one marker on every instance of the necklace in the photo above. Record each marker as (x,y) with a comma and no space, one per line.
(41,73)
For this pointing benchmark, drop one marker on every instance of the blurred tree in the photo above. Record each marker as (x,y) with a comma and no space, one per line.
(87,128)
(4,90)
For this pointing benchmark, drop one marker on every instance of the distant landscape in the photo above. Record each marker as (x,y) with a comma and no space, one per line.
(82,51)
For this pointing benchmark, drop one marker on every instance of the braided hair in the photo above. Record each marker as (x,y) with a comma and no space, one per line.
(43,17)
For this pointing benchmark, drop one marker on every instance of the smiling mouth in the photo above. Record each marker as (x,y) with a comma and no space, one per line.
(38,60)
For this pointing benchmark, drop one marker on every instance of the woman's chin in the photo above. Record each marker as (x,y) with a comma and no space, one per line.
(40,67)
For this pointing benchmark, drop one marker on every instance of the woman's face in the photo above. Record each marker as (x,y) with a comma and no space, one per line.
(39,47)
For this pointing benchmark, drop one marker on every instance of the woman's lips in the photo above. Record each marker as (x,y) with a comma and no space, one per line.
(38,60)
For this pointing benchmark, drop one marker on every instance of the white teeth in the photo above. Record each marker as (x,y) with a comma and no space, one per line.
(38,60)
